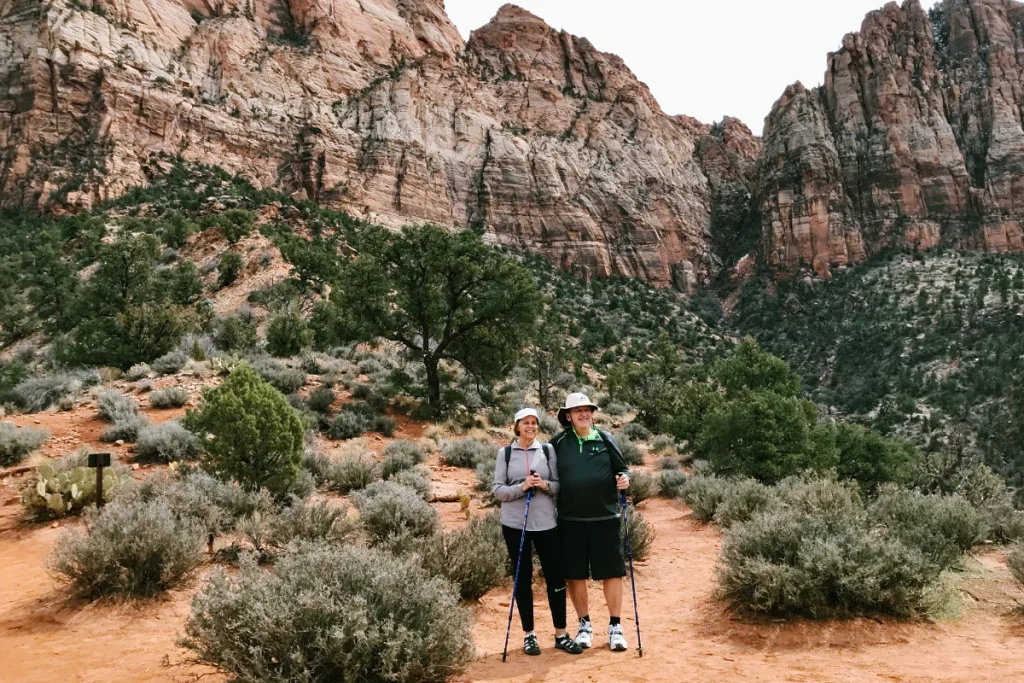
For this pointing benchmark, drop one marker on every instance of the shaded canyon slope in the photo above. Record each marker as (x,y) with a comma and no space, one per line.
(915,139)
(529,135)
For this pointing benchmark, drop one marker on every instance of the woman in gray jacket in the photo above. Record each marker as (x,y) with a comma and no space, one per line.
(512,479)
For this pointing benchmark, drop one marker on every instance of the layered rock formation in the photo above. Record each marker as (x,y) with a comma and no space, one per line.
(530,135)
(915,139)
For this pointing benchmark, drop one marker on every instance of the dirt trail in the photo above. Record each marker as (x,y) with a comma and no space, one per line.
(687,635)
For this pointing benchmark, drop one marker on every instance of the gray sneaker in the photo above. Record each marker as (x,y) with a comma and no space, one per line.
(585,635)
(616,641)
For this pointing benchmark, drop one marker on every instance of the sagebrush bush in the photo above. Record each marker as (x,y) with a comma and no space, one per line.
(316,522)
(317,463)
(407,448)
(549,425)
(642,485)
(167,442)
(467,452)
(418,479)
(663,445)
(249,433)
(347,425)
(397,461)
(476,557)
(66,486)
(36,394)
(137,372)
(129,549)
(704,493)
(384,424)
(790,562)
(321,400)
(743,499)
(670,483)
(171,362)
(352,472)
(283,378)
(1015,561)
(387,509)
(485,480)
(630,451)
(813,493)
(125,429)
(114,406)
(331,613)
(217,505)
(171,397)
(641,535)
(941,528)
(636,432)
(17,442)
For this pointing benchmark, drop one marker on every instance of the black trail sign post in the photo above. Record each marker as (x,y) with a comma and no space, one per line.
(99,461)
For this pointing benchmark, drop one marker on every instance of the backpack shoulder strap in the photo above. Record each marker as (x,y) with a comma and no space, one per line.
(606,438)
(508,458)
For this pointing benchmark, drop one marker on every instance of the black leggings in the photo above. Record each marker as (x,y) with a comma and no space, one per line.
(548,550)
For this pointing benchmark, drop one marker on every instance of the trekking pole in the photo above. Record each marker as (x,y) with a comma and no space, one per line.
(515,579)
(632,581)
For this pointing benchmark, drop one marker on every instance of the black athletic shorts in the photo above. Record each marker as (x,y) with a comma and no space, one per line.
(592,549)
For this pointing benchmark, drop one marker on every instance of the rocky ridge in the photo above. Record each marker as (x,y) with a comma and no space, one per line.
(529,135)
(915,139)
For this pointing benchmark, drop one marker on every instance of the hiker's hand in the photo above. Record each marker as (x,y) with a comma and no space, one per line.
(533,481)
(622,482)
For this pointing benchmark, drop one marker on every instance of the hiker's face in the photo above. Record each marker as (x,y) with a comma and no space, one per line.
(582,418)
(528,428)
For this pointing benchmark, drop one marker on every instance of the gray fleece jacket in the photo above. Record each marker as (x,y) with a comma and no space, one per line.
(508,486)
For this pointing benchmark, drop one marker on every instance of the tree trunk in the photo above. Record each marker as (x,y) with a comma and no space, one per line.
(433,383)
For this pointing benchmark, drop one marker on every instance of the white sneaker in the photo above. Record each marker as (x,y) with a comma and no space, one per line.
(585,635)
(616,641)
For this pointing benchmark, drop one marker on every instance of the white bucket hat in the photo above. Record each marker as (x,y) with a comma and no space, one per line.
(573,401)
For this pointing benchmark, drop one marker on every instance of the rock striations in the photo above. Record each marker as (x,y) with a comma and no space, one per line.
(915,139)
(529,135)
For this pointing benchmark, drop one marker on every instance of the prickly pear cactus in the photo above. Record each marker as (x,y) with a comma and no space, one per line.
(66,486)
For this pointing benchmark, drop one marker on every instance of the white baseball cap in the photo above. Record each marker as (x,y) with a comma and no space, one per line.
(526,412)
(573,401)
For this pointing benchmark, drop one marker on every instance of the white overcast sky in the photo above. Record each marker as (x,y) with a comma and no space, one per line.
(703,58)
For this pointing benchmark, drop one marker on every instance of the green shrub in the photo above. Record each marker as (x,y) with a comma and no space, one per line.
(229,268)
(418,479)
(347,425)
(287,335)
(321,400)
(871,459)
(670,483)
(1015,561)
(249,433)
(642,485)
(789,562)
(476,557)
(941,528)
(236,333)
(467,453)
(663,444)
(17,442)
(233,224)
(744,499)
(171,397)
(281,377)
(749,368)
(114,406)
(171,362)
(36,394)
(354,471)
(130,549)
(369,625)
(641,535)
(167,442)
(704,493)
(388,509)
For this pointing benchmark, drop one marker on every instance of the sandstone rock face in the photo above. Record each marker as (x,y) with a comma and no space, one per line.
(529,135)
(914,139)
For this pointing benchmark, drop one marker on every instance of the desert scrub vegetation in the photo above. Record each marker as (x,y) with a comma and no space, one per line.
(17,442)
(67,486)
(389,510)
(247,626)
(354,471)
(248,433)
(641,535)
(856,343)
(166,442)
(467,453)
(171,397)
(132,549)
(36,394)
(475,558)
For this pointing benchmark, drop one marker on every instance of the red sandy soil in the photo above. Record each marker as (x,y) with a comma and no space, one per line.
(687,635)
